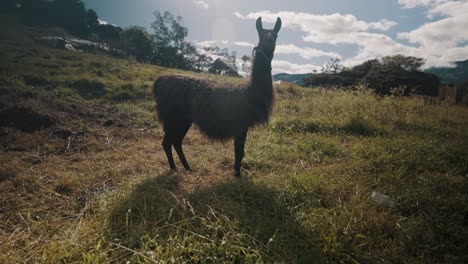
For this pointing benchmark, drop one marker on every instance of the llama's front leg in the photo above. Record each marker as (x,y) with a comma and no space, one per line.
(239,143)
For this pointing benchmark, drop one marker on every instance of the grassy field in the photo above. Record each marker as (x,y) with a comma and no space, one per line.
(83,176)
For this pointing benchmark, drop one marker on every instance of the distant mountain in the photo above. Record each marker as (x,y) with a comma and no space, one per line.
(456,75)
(293,78)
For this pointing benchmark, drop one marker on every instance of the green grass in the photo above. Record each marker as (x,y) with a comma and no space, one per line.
(93,186)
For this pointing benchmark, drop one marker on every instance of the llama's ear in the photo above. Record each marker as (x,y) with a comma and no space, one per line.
(277,25)
(259,25)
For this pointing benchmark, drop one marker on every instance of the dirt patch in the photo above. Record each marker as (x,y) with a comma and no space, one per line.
(24,119)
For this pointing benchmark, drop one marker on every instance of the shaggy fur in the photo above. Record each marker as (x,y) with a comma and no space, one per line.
(221,111)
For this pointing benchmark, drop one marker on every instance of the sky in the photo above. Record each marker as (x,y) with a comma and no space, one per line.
(313,31)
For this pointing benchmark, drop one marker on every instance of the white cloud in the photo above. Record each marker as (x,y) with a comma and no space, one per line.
(200,3)
(281,66)
(319,24)
(415,3)
(439,42)
(444,33)
(211,43)
(333,29)
(222,43)
(103,22)
(306,53)
(449,8)
(244,44)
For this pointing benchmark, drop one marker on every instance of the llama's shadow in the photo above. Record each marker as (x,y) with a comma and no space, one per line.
(247,216)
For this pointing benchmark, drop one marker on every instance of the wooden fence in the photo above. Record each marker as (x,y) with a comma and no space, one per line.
(453,94)
(449,94)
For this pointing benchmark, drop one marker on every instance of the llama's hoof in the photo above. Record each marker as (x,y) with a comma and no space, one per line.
(237,174)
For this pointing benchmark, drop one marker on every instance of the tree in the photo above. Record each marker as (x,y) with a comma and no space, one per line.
(138,43)
(332,67)
(173,50)
(246,61)
(221,68)
(108,34)
(401,71)
(68,14)
(91,19)
(228,59)
(71,14)
(169,30)
(407,63)
(195,60)
(232,61)
(385,77)
(169,37)
(381,75)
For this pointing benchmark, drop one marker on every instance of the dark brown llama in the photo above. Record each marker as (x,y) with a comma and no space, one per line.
(221,111)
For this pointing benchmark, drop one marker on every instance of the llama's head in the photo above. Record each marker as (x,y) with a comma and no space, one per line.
(267,37)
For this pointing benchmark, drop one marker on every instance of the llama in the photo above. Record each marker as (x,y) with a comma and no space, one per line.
(221,111)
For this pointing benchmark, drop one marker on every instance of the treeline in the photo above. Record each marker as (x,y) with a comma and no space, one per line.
(167,46)
(398,74)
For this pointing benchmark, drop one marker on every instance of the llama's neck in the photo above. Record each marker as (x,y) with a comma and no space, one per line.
(261,82)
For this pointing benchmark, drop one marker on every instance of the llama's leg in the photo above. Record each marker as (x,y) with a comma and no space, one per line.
(167,145)
(178,144)
(239,143)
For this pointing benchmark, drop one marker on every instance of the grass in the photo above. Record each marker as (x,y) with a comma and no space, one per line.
(91,184)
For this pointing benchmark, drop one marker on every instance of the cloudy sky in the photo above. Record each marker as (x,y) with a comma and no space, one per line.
(313,31)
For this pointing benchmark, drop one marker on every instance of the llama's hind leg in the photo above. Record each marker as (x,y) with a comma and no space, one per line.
(167,143)
(239,143)
(178,144)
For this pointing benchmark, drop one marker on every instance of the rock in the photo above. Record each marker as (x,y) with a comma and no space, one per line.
(69,47)
(382,199)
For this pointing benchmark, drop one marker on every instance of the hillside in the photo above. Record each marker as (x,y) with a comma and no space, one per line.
(454,75)
(292,78)
(84,178)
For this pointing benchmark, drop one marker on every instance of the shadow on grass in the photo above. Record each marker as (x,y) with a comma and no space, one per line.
(237,221)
